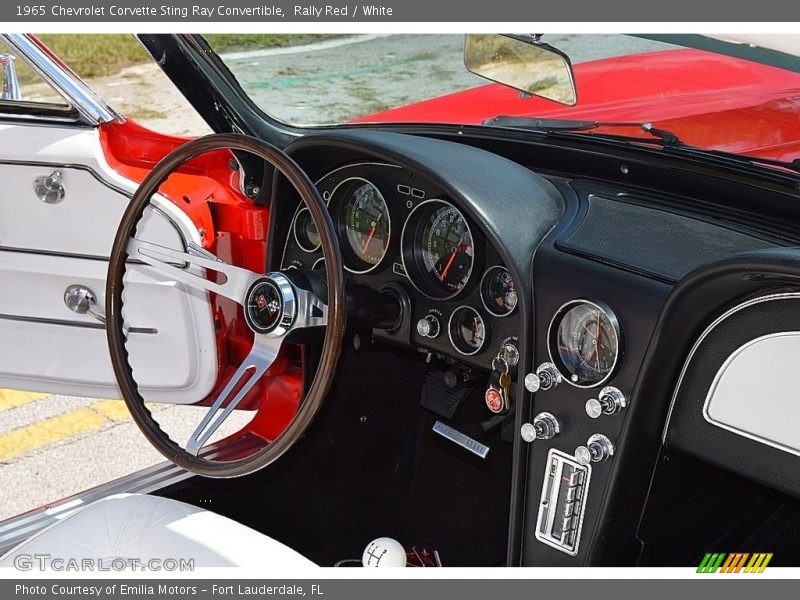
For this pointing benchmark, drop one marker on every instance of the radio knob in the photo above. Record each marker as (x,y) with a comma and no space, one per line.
(597,449)
(545,378)
(544,427)
(608,402)
(429,326)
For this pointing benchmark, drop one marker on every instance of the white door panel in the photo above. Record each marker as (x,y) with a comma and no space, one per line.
(67,226)
(45,248)
(174,359)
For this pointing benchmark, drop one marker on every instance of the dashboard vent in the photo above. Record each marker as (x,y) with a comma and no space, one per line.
(656,242)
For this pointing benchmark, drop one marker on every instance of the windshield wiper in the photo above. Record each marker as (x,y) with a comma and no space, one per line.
(662,137)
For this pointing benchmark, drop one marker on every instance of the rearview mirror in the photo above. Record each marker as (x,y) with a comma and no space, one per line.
(522,63)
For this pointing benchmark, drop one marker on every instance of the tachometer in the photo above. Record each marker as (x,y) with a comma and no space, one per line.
(438,249)
(364,223)
(584,342)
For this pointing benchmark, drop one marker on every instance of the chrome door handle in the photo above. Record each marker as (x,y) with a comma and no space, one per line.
(81,300)
(48,188)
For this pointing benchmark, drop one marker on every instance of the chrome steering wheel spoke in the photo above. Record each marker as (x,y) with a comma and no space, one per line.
(262,355)
(311,310)
(190,268)
(273,308)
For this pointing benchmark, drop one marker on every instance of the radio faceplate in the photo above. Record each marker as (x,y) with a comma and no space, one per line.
(561,507)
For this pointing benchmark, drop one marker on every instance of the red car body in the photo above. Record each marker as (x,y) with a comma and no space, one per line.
(706,99)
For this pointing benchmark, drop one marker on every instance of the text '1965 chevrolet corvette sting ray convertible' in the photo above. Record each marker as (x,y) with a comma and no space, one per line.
(549,316)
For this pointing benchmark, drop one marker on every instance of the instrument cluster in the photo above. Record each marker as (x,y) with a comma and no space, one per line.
(394,228)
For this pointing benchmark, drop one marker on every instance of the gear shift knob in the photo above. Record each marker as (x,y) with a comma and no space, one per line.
(384,552)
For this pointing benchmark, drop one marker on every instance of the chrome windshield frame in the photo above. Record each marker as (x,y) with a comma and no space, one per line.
(91,108)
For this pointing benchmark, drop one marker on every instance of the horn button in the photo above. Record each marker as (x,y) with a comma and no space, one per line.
(271,304)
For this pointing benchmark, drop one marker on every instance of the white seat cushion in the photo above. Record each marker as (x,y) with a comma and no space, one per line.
(142,527)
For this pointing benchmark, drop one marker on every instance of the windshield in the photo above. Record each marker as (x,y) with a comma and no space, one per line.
(708,100)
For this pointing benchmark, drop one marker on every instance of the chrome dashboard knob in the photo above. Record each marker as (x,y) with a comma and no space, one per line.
(544,427)
(545,378)
(429,326)
(597,449)
(549,377)
(608,402)
(532,383)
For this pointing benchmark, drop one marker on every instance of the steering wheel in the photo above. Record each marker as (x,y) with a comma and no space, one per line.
(274,306)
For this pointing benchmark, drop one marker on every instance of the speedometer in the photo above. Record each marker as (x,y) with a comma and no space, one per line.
(438,249)
(363,222)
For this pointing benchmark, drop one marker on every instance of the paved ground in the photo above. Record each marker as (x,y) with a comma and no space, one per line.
(54,446)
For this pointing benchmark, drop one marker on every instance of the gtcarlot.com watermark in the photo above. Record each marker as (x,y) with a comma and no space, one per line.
(47,562)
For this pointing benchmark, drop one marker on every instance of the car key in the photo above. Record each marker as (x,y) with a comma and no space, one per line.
(496,396)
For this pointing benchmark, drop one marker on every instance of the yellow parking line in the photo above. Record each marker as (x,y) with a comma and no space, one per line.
(112,409)
(35,436)
(13,398)
(48,431)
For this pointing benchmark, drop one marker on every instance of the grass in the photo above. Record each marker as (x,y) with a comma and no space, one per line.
(107,54)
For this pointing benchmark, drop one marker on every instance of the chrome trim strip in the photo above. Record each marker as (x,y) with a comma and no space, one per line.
(67,323)
(717,378)
(57,254)
(74,89)
(705,334)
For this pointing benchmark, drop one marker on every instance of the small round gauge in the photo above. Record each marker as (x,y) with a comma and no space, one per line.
(319,264)
(438,249)
(584,342)
(498,291)
(363,222)
(467,330)
(305,231)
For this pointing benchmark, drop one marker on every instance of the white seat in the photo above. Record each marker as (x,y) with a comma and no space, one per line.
(142,527)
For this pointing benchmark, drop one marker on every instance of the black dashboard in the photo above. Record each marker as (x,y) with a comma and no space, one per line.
(580,262)
(400,233)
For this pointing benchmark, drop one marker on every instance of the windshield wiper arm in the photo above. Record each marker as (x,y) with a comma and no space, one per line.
(667,137)
(664,138)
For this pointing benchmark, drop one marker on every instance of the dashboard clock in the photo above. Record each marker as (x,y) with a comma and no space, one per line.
(584,341)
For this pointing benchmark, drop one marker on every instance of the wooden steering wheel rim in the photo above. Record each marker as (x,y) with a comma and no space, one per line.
(334,333)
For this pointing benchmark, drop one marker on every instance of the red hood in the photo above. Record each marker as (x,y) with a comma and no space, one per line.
(706,99)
